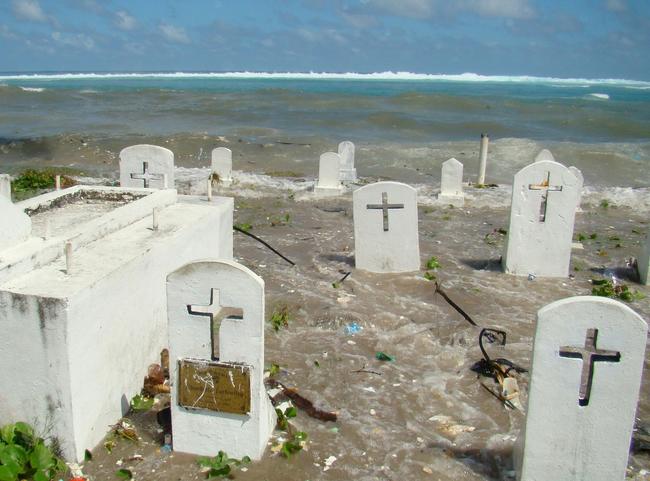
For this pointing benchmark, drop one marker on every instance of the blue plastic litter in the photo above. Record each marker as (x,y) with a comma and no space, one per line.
(353,328)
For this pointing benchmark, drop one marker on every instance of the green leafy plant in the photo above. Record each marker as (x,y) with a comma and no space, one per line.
(593,236)
(604,204)
(433,263)
(24,456)
(283,417)
(274,369)
(124,473)
(293,445)
(280,318)
(606,288)
(244,226)
(221,465)
(430,276)
(580,237)
(141,403)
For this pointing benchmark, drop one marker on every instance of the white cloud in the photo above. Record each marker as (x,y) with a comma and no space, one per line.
(616,5)
(5,32)
(78,40)
(124,21)
(423,9)
(501,8)
(29,10)
(173,34)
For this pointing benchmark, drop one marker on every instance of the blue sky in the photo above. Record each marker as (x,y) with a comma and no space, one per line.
(571,38)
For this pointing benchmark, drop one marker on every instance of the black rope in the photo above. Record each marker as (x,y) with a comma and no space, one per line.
(238,229)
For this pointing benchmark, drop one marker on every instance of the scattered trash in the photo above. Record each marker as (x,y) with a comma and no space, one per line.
(369,389)
(382,356)
(328,462)
(531,276)
(351,343)
(124,429)
(243,231)
(304,403)
(454,305)
(427,470)
(369,371)
(353,328)
(446,425)
(373,412)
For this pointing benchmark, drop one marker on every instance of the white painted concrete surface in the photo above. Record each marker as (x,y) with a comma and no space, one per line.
(562,439)
(643,262)
(15,225)
(5,186)
(386,241)
(222,165)
(451,182)
(205,432)
(581,182)
(328,182)
(347,172)
(544,154)
(159,163)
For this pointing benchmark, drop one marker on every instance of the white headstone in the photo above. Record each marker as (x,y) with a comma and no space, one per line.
(643,262)
(146,166)
(386,228)
(588,358)
(542,214)
(216,311)
(348,173)
(451,182)
(222,165)
(328,182)
(544,154)
(5,186)
(15,225)
(581,182)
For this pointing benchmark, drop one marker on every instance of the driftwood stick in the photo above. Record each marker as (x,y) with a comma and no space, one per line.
(454,305)
(369,371)
(238,229)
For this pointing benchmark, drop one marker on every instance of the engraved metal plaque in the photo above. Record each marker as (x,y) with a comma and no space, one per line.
(215,386)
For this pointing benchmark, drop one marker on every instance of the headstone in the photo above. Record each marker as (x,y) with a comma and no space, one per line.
(451,182)
(386,228)
(643,262)
(15,225)
(588,357)
(348,173)
(5,186)
(146,166)
(216,345)
(328,182)
(542,214)
(581,182)
(222,165)
(544,154)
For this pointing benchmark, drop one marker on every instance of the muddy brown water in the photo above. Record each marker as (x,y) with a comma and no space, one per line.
(425,415)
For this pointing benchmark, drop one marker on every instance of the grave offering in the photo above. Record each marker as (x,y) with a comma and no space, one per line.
(328,182)
(643,261)
(451,183)
(222,165)
(216,343)
(83,301)
(386,228)
(348,173)
(544,154)
(148,166)
(16,225)
(542,213)
(588,357)
(5,186)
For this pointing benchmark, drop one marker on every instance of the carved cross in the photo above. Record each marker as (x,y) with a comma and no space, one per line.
(146,176)
(546,188)
(384,206)
(217,313)
(589,354)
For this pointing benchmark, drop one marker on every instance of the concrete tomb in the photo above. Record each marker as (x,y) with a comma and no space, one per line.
(78,336)
(544,154)
(581,182)
(148,166)
(588,356)
(15,225)
(328,182)
(386,228)
(348,173)
(451,182)
(216,345)
(5,186)
(222,165)
(643,262)
(542,213)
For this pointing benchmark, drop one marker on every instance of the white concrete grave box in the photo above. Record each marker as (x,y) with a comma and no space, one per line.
(542,214)
(643,262)
(451,182)
(77,338)
(581,183)
(15,225)
(216,347)
(5,186)
(348,173)
(328,182)
(222,165)
(147,166)
(588,356)
(386,228)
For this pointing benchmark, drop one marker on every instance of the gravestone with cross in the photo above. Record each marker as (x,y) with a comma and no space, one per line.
(451,182)
(386,228)
(147,166)
(222,165)
(328,182)
(542,214)
(348,173)
(15,225)
(216,346)
(588,356)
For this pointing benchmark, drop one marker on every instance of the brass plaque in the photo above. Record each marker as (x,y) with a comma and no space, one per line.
(215,386)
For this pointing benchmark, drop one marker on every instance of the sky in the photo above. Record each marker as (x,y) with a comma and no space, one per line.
(567,39)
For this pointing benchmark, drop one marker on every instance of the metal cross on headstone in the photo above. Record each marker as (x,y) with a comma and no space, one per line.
(146,176)
(217,313)
(384,206)
(589,354)
(546,188)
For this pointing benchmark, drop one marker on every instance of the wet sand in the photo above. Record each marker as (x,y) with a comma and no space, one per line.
(425,415)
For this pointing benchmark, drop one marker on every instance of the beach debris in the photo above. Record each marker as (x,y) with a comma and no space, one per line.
(447,425)
(303,403)
(124,429)
(328,462)
(353,328)
(221,465)
(614,288)
(369,371)
(124,473)
(531,276)
(264,243)
(382,356)
(454,305)
(280,317)
(337,284)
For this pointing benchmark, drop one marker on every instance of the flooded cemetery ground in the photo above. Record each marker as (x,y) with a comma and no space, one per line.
(424,414)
